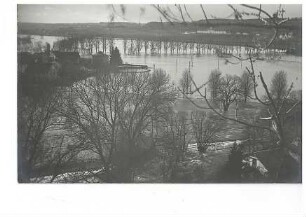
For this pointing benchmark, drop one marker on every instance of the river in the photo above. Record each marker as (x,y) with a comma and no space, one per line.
(202,65)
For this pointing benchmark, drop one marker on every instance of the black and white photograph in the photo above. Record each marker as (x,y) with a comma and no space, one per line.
(180,93)
(145,108)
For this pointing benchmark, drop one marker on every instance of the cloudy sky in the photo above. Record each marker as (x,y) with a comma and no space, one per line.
(62,13)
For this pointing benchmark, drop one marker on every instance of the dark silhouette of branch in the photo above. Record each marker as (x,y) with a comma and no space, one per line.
(259,13)
(167,14)
(188,13)
(289,110)
(237,14)
(252,74)
(259,10)
(117,14)
(207,22)
(181,12)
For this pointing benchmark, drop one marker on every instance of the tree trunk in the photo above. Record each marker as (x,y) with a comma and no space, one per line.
(225,107)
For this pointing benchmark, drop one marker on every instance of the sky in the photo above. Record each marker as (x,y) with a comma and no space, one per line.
(63,13)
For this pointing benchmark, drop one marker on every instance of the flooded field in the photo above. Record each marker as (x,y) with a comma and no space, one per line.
(200,65)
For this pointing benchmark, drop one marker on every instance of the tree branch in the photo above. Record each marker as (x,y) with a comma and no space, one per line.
(207,22)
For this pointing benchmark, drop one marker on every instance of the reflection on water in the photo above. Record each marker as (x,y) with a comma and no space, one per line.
(201,66)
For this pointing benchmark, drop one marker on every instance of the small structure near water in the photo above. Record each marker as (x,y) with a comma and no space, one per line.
(129,68)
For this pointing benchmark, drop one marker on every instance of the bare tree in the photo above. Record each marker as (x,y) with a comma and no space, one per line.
(61,155)
(277,112)
(112,114)
(92,108)
(40,147)
(34,118)
(279,86)
(214,82)
(173,143)
(228,91)
(148,94)
(204,130)
(278,108)
(186,82)
(245,86)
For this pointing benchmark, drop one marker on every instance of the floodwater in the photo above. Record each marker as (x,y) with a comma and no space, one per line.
(201,66)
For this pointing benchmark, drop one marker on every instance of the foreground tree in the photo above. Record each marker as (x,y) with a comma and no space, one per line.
(34,118)
(228,91)
(204,130)
(112,115)
(148,96)
(173,142)
(278,113)
(245,86)
(278,107)
(40,147)
(273,22)
(91,110)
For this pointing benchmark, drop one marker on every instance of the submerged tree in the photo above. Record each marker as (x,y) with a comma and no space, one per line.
(228,91)
(214,82)
(245,86)
(186,82)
